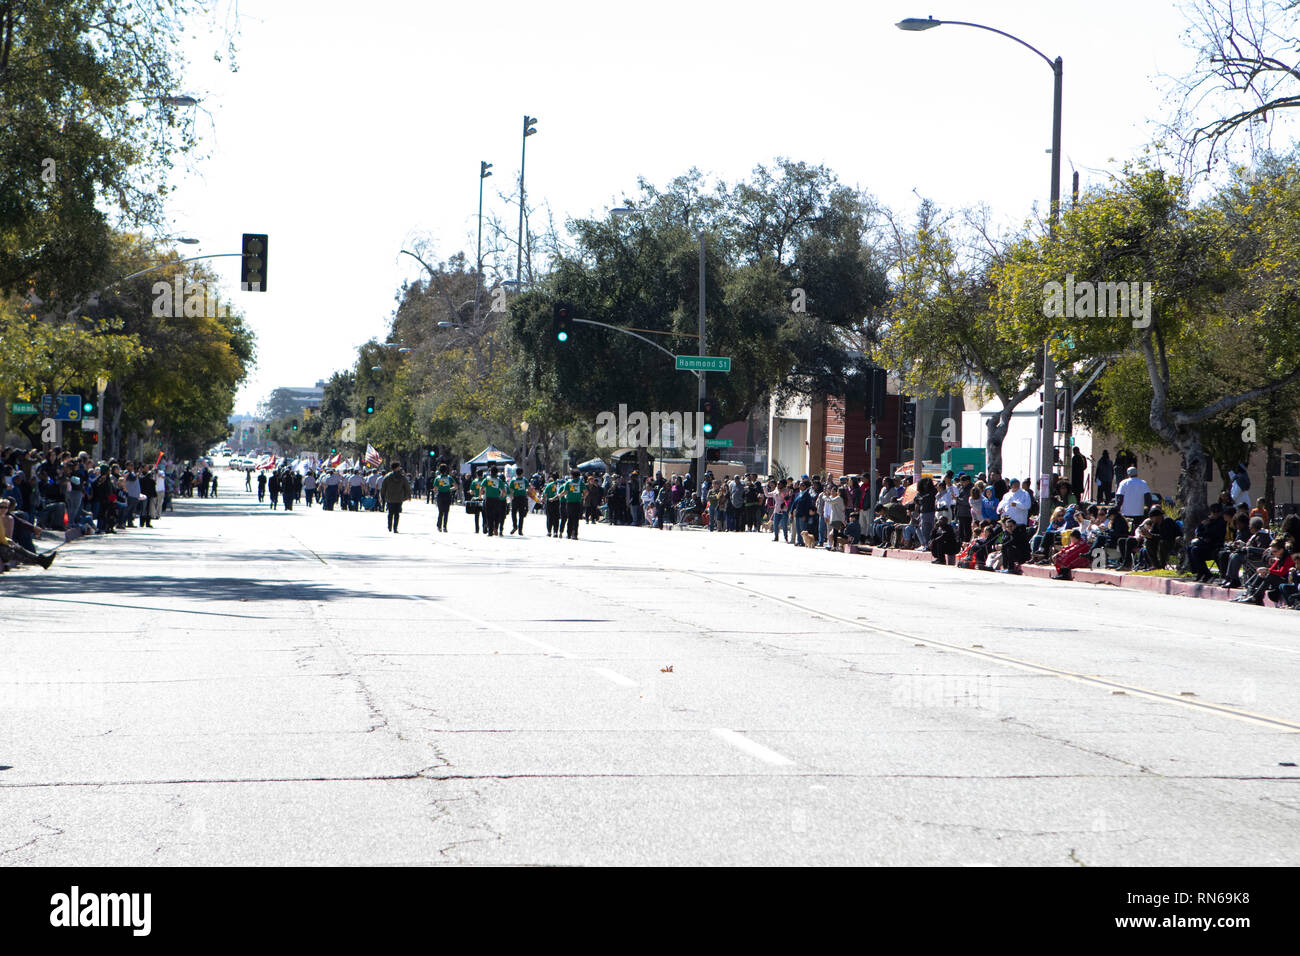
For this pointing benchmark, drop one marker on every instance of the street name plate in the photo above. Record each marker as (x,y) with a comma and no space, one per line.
(703,363)
(717,443)
(22,408)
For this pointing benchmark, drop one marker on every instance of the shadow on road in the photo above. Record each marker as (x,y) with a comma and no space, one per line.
(121,591)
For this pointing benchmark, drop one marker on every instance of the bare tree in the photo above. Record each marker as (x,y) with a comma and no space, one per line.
(1248,67)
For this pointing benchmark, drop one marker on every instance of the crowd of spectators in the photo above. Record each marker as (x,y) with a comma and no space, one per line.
(57,493)
(982,522)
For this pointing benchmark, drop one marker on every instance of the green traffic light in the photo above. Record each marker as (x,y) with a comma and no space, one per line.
(708,428)
(563,336)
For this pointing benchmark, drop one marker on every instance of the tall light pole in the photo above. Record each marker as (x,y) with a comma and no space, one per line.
(484,171)
(102,384)
(1047,433)
(529,130)
(702,459)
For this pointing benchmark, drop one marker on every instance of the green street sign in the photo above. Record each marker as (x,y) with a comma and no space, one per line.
(717,443)
(703,363)
(23,408)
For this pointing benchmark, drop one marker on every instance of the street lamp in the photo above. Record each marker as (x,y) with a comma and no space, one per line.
(1047,433)
(529,130)
(101,383)
(484,171)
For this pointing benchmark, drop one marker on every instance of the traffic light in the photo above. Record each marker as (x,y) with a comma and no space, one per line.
(708,408)
(268,426)
(90,408)
(252,269)
(370,404)
(561,323)
(334,451)
(293,425)
(875,393)
(909,417)
(94,438)
(433,453)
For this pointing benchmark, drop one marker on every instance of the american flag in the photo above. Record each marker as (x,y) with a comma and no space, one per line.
(373,457)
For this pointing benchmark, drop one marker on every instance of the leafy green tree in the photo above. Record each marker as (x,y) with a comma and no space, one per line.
(1224,304)
(945,331)
(88,121)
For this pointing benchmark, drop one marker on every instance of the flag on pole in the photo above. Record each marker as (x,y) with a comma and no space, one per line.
(336,460)
(372,457)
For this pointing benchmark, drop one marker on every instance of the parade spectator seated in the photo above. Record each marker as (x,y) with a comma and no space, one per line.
(1074,554)
(943,542)
(1247,550)
(1207,542)
(1272,577)
(11,551)
(1011,548)
(1158,537)
(1041,544)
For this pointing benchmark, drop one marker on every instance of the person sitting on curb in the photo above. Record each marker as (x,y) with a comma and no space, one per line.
(1074,554)
(1253,547)
(1271,576)
(10,550)
(943,542)
(1158,535)
(1015,546)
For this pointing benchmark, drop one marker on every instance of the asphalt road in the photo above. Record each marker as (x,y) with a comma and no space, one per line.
(241,686)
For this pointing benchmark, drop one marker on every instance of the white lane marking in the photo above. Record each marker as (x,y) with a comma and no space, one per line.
(741,742)
(614,676)
(548,648)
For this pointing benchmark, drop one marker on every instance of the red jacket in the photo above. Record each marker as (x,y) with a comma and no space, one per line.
(1074,556)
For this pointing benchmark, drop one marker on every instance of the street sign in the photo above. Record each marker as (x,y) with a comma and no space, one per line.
(703,363)
(89,424)
(22,408)
(717,443)
(62,408)
(68,408)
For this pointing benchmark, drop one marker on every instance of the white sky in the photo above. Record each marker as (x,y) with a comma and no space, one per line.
(351,129)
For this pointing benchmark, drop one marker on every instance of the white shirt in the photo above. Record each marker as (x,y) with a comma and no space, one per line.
(1015,505)
(1134,491)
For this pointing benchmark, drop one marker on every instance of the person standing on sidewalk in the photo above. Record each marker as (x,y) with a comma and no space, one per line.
(442,491)
(395,489)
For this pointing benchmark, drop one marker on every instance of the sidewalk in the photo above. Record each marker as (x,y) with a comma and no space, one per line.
(1138,582)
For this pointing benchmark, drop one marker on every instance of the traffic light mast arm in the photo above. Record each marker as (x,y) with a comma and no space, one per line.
(617,328)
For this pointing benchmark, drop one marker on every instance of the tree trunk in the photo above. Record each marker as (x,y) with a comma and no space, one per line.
(1191,484)
(1270,486)
(112,434)
(996,427)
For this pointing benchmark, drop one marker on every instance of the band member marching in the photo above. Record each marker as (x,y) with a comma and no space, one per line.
(442,488)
